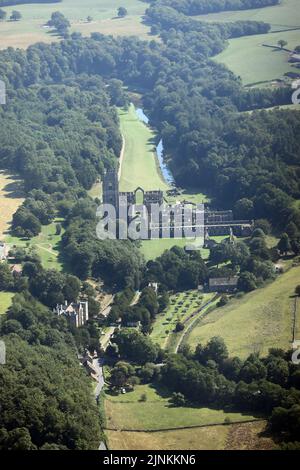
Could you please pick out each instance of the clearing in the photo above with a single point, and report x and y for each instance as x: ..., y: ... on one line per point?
x: 5, y: 301
x: 257, y: 322
x: 10, y: 199
x: 127, y: 412
x: 31, y: 28
x: 47, y: 245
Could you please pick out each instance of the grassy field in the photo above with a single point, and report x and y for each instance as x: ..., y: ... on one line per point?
x: 182, y: 306
x: 263, y: 64
x: 280, y: 17
x: 139, y: 166
x: 10, y: 200
x: 246, y: 436
x: 46, y: 244
x: 151, y: 249
x: 31, y: 28
x: 127, y: 412
x: 5, y: 301
x: 258, y: 321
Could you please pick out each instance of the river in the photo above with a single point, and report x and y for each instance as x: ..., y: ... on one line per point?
x: 165, y: 171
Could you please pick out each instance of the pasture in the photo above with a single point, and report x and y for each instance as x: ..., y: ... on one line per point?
x: 284, y: 16
x: 263, y: 64
x: 246, y: 436
x: 139, y: 165
x: 256, y: 322
x: 10, y: 199
x: 31, y: 28
x: 128, y: 412
x: 5, y: 301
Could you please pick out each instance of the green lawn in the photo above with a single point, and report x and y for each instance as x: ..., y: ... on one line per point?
x: 127, y: 412
x: 151, y: 249
x: 140, y: 165
x: 258, y: 321
x: 280, y: 17
x: 46, y: 245
x: 31, y: 28
x: 5, y: 301
x: 263, y: 64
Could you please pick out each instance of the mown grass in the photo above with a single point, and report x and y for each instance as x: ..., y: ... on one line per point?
x: 139, y: 166
x: 34, y: 16
x: 5, y: 301
x: 256, y: 322
x: 129, y: 413
x: 152, y: 249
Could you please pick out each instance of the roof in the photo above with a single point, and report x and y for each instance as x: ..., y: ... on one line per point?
x: 224, y: 281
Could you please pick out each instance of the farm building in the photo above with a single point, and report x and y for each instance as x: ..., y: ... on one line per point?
x: 223, y: 284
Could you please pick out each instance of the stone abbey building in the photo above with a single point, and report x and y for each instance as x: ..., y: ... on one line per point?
x: 212, y: 223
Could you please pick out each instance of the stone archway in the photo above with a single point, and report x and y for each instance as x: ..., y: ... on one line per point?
x: 139, y: 194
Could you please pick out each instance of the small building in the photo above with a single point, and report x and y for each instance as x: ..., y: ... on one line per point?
x: 294, y: 58
x: 223, y: 284
x: 154, y: 286
x: 3, y: 251
x: 77, y: 313
x: 16, y: 269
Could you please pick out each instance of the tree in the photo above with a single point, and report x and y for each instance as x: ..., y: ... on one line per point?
x: 89, y: 19
x: 179, y: 327
x: 284, y: 245
x: 178, y: 399
x: 15, y: 15
x: 247, y: 282
x: 122, y: 12
x: 297, y: 290
x: 3, y: 15
x: 282, y: 43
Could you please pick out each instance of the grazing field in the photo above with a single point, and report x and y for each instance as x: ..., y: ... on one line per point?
x: 246, y: 436
x: 182, y: 306
x: 46, y: 244
x: 5, y: 301
x: 10, y: 200
x: 140, y: 165
x: 284, y: 16
x: 258, y: 321
x: 127, y: 412
x: 32, y: 29
x: 263, y: 64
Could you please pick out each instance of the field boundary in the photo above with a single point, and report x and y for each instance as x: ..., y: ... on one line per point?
x: 195, y: 426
